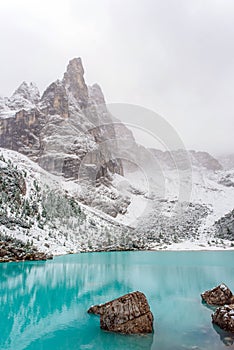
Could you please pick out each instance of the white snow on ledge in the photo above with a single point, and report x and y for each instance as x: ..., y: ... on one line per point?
x: 193, y: 246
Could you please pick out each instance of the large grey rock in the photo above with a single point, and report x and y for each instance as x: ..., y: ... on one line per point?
x: 220, y: 295
x: 129, y: 314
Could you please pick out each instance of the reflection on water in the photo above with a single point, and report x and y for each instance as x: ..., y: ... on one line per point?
x: 43, y: 304
x: 226, y: 337
x: 210, y: 307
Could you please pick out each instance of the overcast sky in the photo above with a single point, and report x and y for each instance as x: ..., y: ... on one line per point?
x: 175, y: 57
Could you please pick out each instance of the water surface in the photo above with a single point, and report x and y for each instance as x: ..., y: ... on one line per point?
x: 43, y: 304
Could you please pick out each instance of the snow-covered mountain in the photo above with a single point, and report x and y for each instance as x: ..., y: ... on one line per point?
x: 25, y: 97
x: 227, y: 161
x: 48, y: 211
x: 67, y: 184
x: 174, y: 224
x: 63, y: 126
x: 42, y: 208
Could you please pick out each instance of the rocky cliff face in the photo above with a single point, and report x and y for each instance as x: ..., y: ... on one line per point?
x: 74, y: 81
x: 68, y: 126
x: 183, y: 159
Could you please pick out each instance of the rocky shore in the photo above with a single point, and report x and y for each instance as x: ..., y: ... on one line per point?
x: 12, y: 249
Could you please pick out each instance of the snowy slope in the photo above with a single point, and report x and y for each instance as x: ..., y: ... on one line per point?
x: 65, y: 223
x: 169, y: 223
x: 61, y: 224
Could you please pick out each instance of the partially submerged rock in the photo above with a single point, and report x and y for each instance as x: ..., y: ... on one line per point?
x: 225, y: 336
x: 224, y: 317
x: 220, y: 295
x: 129, y: 314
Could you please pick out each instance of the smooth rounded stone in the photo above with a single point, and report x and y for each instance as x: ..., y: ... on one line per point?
x: 129, y: 314
x: 220, y: 295
x: 224, y: 317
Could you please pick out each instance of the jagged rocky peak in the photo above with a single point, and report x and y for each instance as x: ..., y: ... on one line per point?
x: 68, y: 125
x: 55, y: 100
x: 96, y: 94
x: 27, y: 91
x: 26, y: 97
x: 75, y: 83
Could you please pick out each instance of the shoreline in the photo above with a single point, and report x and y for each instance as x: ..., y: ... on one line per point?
x: 216, y: 249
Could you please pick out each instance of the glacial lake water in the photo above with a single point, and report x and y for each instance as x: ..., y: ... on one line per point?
x: 43, y: 305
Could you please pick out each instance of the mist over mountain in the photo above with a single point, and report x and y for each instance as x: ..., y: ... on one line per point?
x: 73, y: 177
x: 227, y: 161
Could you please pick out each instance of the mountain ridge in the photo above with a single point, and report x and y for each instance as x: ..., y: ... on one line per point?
x: 75, y: 152
x: 61, y: 127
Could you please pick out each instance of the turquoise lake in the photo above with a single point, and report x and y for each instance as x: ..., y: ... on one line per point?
x: 43, y: 305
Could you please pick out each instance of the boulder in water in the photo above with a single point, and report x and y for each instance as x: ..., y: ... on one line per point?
x: 224, y: 317
x: 129, y: 314
x: 220, y: 295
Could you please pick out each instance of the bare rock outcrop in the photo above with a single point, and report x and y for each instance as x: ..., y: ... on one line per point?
x: 69, y: 132
x: 74, y: 80
x: 224, y: 317
x: 63, y: 128
x: 55, y: 100
x: 220, y: 295
x: 12, y: 249
x: 129, y: 314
